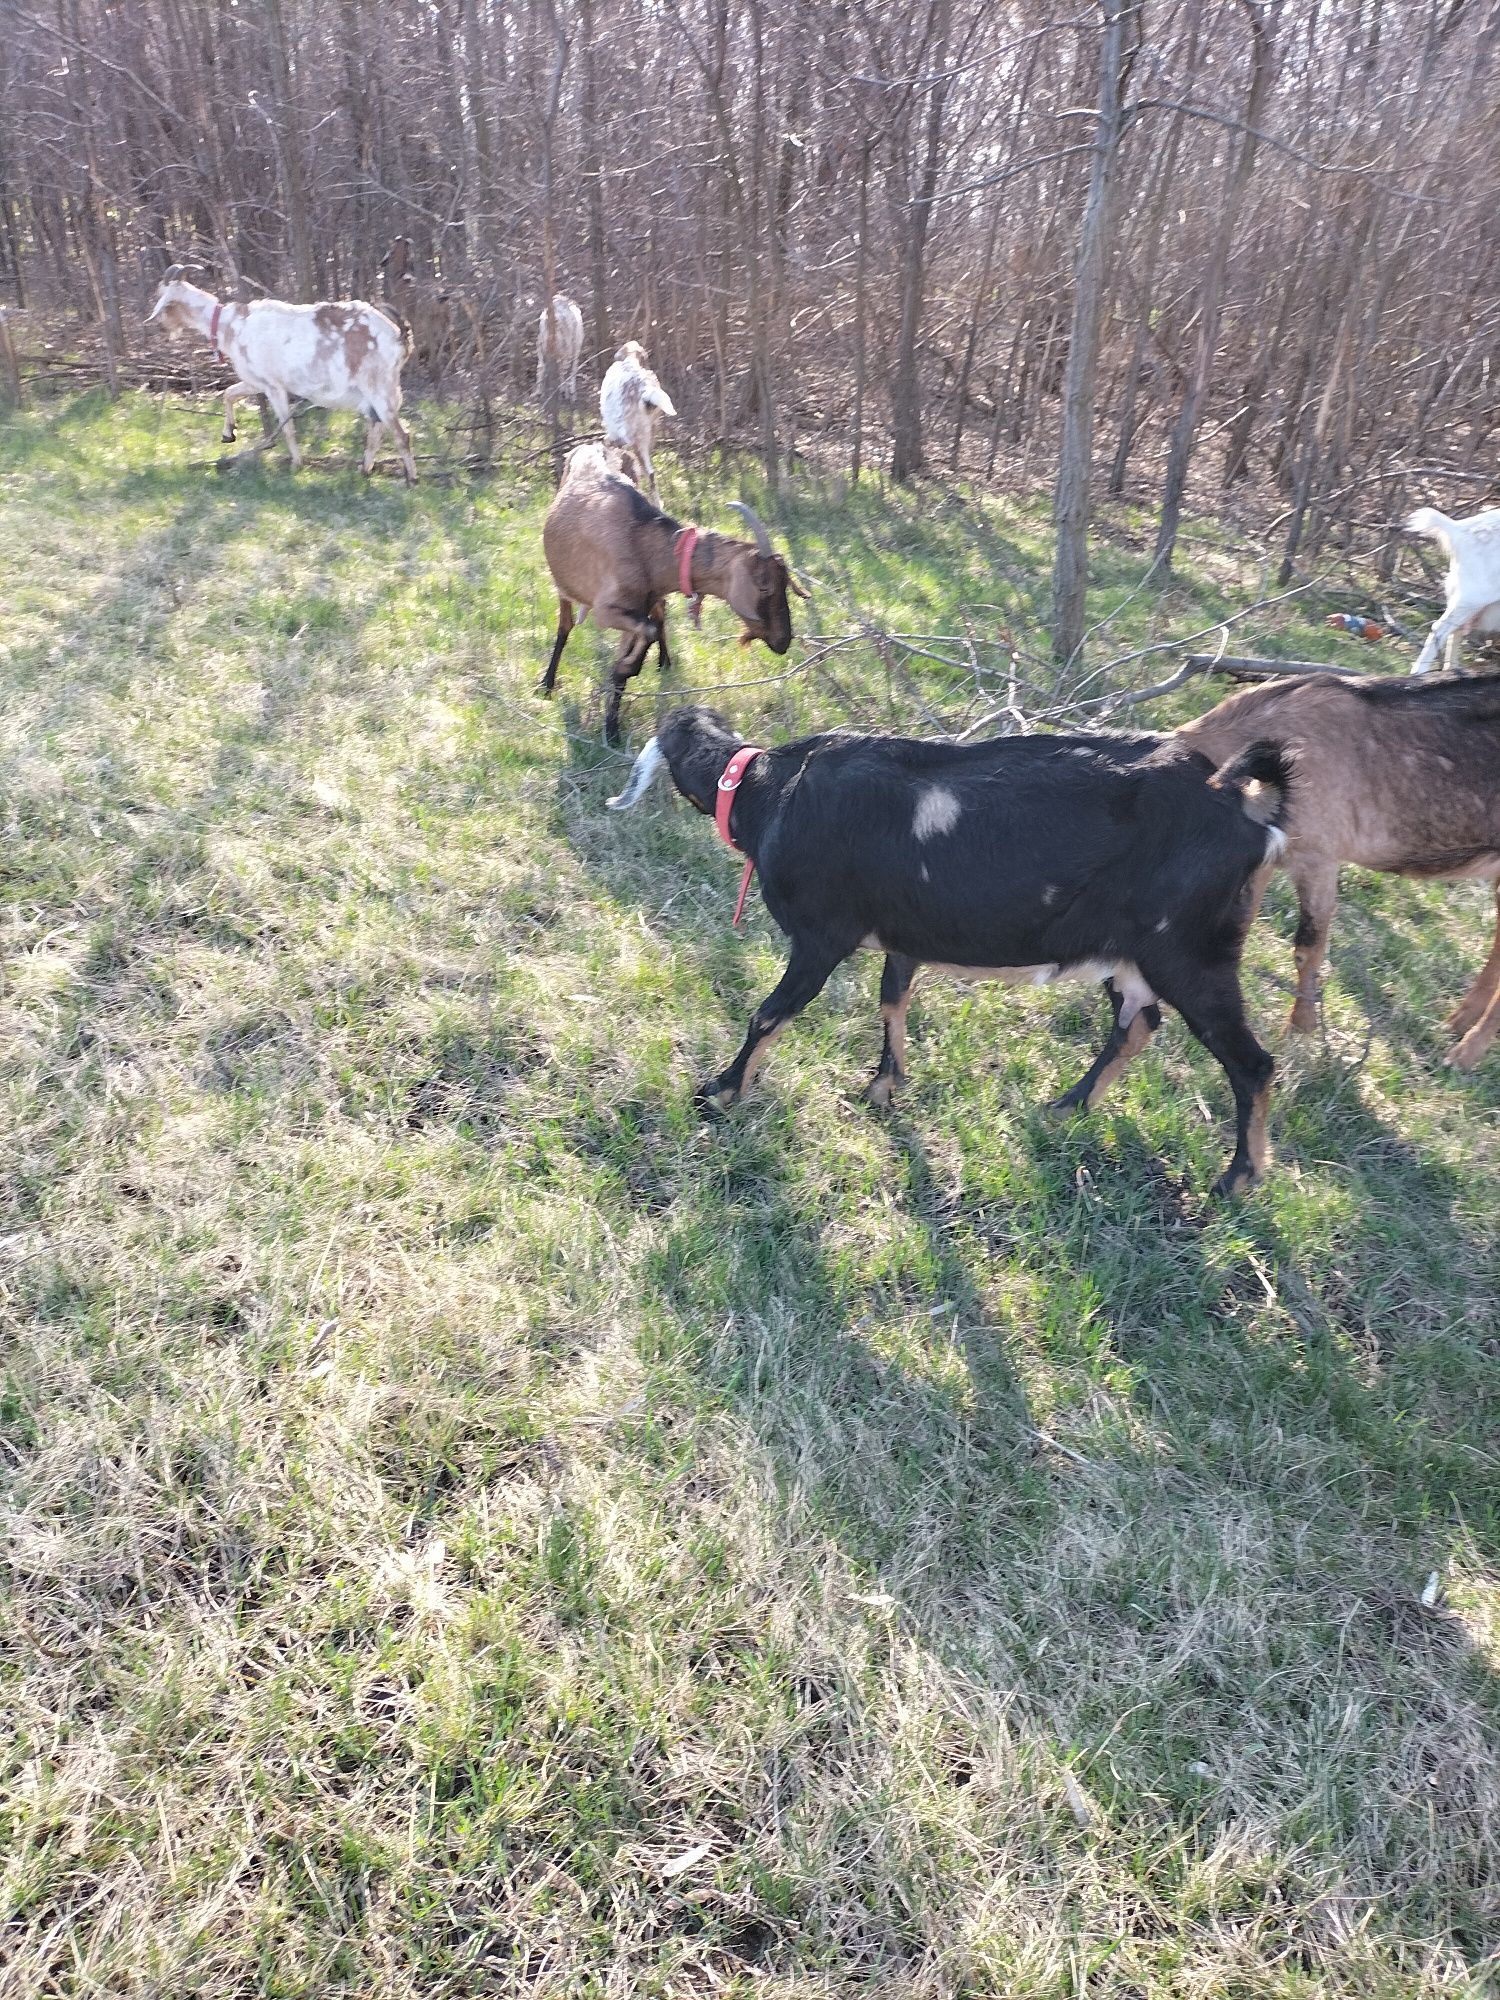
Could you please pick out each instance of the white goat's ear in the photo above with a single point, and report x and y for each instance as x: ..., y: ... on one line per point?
x: 645, y: 768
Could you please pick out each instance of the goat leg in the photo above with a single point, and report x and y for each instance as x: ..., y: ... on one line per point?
x: 641, y: 636
x: 1120, y: 1050
x: 1215, y: 1014
x: 403, y: 445
x: 1476, y: 1002
x: 1317, y: 899
x: 658, y: 614
x: 374, y: 432
x: 806, y: 975
x: 1450, y: 628
x: 1477, y: 1043
x: 895, y: 997
x: 564, y: 626
x: 232, y: 395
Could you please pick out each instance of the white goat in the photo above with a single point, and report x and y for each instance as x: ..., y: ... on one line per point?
x: 341, y: 355
x: 567, y: 348
x: 1472, y: 583
x: 630, y: 401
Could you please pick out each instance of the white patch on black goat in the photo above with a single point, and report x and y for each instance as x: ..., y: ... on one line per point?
x: 937, y: 812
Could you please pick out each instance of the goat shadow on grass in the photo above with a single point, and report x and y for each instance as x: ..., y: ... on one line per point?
x: 893, y: 1394
x: 1382, y: 928
x: 1308, y: 1377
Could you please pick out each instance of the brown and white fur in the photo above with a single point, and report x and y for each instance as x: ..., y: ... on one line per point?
x: 1401, y: 776
x: 342, y: 355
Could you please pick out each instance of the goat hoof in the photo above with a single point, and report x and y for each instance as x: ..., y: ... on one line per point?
x: 1304, y: 1018
x: 1061, y: 1109
x: 1463, y: 1057
x: 880, y: 1092
x: 1237, y: 1178
x: 545, y: 686
x: 714, y: 1098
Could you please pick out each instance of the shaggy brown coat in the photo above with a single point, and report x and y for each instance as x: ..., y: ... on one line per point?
x: 1399, y: 776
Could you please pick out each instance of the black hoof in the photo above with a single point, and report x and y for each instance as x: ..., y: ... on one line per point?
x: 1237, y: 1178
x: 714, y: 1098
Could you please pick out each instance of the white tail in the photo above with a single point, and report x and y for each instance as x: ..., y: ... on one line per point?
x: 644, y: 769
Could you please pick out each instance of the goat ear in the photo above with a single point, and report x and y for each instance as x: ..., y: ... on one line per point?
x: 793, y: 585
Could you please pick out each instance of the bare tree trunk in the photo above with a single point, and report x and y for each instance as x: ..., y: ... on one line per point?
x: 906, y: 388
x: 287, y: 131
x: 593, y: 174
x: 1155, y: 241
x: 1071, y: 504
x: 1211, y: 292
x: 861, y: 266
x: 549, y: 229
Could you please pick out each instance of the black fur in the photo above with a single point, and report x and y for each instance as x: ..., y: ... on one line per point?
x: 1062, y: 850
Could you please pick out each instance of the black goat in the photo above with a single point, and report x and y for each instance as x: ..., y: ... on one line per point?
x: 1026, y: 858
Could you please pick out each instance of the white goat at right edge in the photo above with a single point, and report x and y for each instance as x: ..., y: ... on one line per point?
x: 1472, y: 583
x: 630, y: 401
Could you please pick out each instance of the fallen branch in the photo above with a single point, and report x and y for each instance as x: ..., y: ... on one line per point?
x: 1247, y: 667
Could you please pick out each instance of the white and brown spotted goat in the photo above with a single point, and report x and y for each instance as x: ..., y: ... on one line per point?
x: 342, y: 355
x: 612, y: 552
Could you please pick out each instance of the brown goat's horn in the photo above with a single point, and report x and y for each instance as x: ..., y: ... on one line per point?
x: 756, y: 526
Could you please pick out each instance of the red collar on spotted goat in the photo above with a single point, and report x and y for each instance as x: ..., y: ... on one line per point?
x: 687, y: 541
x: 729, y: 784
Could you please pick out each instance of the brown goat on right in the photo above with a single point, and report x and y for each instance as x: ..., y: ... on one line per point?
x: 1402, y: 776
x: 612, y: 552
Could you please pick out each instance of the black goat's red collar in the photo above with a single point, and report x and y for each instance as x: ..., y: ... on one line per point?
x: 729, y: 784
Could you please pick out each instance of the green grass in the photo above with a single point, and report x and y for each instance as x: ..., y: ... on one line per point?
x: 472, y: 1528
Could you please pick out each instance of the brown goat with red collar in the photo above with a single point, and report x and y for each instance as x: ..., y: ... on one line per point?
x: 612, y: 552
x: 1032, y: 858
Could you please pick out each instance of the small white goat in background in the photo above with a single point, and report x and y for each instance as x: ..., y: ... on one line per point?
x: 567, y: 350
x: 630, y: 401
x: 1472, y: 583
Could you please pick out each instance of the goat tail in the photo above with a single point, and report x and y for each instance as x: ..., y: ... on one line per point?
x: 1262, y: 775
x: 1428, y: 521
